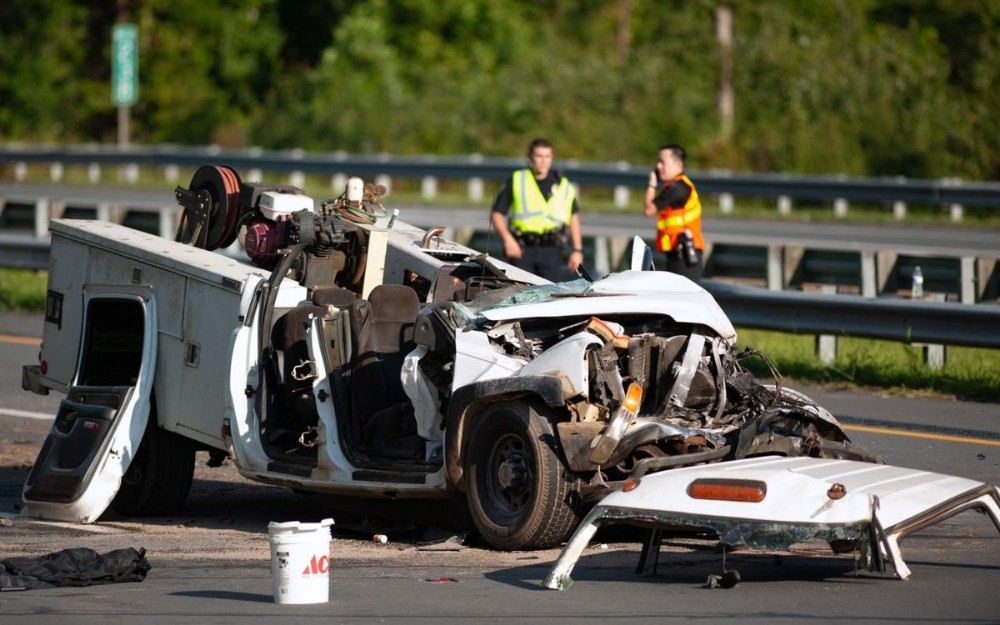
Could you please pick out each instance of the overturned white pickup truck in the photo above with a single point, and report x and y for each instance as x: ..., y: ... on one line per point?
x: 360, y: 355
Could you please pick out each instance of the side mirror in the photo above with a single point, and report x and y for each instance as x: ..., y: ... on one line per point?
x: 641, y: 256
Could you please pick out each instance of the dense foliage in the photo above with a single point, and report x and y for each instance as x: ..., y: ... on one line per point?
x: 878, y: 87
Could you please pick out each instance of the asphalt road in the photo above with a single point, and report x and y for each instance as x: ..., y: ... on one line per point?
x: 211, y: 563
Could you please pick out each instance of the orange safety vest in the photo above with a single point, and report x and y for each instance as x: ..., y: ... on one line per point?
x: 671, y: 222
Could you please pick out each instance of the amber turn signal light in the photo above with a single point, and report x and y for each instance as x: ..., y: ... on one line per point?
x: 633, y: 398
x: 750, y: 491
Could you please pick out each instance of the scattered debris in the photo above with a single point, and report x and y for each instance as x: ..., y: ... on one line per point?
x: 441, y: 580
x: 5, y: 522
x: 380, y: 539
x: 454, y: 542
x: 726, y: 580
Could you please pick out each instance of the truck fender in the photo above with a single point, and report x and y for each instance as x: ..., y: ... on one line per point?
x: 464, y: 402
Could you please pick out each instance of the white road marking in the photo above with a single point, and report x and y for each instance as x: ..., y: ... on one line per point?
x: 24, y: 414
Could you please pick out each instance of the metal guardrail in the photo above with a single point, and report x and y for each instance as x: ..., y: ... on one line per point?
x: 786, y: 311
x: 851, y: 315
x: 961, y: 265
x: 621, y: 176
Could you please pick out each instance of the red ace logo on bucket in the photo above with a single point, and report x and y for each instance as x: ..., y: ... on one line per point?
x: 321, y: 565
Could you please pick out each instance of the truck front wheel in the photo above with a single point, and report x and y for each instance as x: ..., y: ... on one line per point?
x: 520, y: 494
x: 159, y: 478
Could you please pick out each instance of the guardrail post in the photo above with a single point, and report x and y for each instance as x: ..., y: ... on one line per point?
x: 168, y: 223
x: 94, y: 173
x: 826, y: 344
x: 428, y: 187
x: 338, y: 182
x: 56, y: 171
x: 899, y: 210
x: 297, y: 179
x: 621, y: 196
x: 602, y: 262
x: 20, y: 171
x: 967, y: 279
x: 726, y: 203
x: 132, y: 173
x: 385, y: 181
x: 956, y: 210
x: 254, y: 175
x: 103, y: 211
x: 784, y: 205
x: 935, y: 355
x: 775, y: 274
x: 171, y: 172
x: 869, y: 280
x: 42, y: 206
x: 476, y: 189
x: 840, y: 208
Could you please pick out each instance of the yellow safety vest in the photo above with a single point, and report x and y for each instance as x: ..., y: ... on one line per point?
x: 531, y: 213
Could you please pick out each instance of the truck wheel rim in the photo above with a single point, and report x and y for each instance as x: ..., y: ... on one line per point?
x: 509, y: 484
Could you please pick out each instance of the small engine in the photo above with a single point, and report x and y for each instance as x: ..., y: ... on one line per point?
x: 268, y: 231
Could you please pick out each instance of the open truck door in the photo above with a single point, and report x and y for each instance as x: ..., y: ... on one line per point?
x: 100, y: 424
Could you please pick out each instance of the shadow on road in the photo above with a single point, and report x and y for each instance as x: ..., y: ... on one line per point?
x: 693, y: 567
x: 225, y: 594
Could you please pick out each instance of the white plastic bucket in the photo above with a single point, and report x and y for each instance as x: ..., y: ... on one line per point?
x: 300, y: 561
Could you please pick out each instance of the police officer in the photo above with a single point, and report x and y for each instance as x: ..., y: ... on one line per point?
x: 532, y: 214
x: 671, y: 196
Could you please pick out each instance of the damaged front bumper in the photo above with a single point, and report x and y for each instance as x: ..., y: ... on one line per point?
x: 871, y: 507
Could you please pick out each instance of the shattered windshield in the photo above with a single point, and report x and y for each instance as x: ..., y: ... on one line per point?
x: 471, y: 313
x: 517, y: 296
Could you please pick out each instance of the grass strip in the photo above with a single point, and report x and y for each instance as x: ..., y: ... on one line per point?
x: 22, y: 289
x: 970, y: 373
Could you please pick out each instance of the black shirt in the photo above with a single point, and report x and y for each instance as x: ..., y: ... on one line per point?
x: 506, y: 196
x: 674, y: 195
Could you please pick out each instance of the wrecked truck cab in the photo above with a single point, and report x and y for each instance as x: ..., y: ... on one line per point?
x: 357, y: 354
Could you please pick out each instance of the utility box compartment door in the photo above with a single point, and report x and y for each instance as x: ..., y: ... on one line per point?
x: 100, y: 424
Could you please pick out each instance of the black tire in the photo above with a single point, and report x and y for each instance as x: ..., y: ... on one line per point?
x: 520, y: 494
x: 159, y: 478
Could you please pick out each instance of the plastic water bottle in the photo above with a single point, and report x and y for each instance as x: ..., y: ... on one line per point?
x: 917, y: 288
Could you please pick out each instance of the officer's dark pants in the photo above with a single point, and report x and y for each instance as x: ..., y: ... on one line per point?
x: 545, y: 261
x: 677, y: 264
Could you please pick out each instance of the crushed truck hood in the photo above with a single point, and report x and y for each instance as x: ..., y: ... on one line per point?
x: 875, y: 505
x: 628, y: 292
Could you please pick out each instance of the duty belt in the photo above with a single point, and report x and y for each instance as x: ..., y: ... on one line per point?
x: 552, y: 238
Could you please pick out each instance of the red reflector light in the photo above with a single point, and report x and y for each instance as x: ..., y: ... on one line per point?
x: 44, y: 367
x: 92, y: 425
x: 630, y: 484
x: 750, y: 491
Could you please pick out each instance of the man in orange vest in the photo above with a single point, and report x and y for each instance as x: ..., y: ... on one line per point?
x: 672, y: 198
x: 535, y: 213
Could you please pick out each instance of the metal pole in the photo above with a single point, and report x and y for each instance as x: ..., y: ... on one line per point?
x: 123, y: 120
